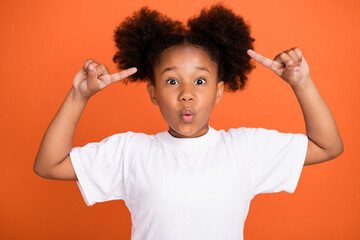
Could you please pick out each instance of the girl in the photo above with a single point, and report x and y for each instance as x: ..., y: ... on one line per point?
x: 192, y: 181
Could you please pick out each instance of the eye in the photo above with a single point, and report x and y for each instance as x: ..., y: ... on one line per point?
x: 200, y: 81
x: 171, y: 81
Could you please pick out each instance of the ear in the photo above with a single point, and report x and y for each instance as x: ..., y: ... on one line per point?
x: 152, y: 93
x: 219, y: 91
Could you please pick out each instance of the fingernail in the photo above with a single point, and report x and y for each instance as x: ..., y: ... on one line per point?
x: 91, y: 67
x: 133, y: 70
x: 290, y: 63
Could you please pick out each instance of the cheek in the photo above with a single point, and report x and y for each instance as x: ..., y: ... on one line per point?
x: 209, y: 98
x: 208, y: 108
x: 167, y: 104
x: 208, y: 104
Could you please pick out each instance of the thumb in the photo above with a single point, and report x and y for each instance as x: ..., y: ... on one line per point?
x: 92, y: 78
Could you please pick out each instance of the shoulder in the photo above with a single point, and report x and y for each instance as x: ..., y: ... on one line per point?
x: 131, y: 138
x: 257, y: 135
x: 117, y: 140
x: 254, y: 132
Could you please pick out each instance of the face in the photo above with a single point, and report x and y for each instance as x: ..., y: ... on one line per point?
x: 186, y: 89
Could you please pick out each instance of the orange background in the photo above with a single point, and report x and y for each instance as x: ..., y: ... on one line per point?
x: 44, y: 43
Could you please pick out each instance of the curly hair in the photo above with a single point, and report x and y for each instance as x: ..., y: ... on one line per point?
x: 142, y: 37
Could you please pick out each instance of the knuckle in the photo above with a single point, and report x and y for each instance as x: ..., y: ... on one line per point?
x: 88, y: 61
x: 107, y: 80
x: 102, y: 68
x: 292, y: 54
x: 289, y: 51
x: 277, y: 56
x: 283, y: 55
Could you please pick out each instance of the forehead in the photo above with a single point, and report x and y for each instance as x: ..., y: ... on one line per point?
x: 185, y: 57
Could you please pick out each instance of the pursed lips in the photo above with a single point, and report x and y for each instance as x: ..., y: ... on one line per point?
x: 187, y: 115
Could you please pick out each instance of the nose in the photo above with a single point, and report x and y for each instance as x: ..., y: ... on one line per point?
x: 186, y: 94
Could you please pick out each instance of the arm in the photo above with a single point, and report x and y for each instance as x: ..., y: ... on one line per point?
x: 324, y: 138
x: 53, y: 159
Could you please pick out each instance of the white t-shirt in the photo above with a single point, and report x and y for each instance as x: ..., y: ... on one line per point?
x: 189, y: 188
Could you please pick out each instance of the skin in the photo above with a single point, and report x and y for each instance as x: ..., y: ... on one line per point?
x: 186, y: 83
x: 324, y: 138
x: 53, y: 159
x: 182, y: 84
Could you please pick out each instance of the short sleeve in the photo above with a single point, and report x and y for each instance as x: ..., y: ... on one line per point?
x: 278, y: 160
x: 100, y: 169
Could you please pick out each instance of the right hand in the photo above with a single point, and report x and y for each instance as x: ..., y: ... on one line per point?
x: 93, y: 77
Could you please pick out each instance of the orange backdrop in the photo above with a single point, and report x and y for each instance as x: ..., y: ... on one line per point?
x: 44, y: 43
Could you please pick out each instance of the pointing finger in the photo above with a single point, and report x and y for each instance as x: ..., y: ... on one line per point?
x: 261, y: 59
x: 123, y: 74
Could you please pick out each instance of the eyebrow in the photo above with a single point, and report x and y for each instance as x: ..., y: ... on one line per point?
x: 197, y: 68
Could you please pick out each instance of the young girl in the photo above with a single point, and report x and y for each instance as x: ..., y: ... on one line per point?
x: 192, y: 181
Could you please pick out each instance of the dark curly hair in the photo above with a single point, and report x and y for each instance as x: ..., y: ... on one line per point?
x: 142, y: 38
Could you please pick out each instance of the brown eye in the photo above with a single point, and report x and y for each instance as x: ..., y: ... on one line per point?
x: 200, y: 81
x: 172, y: 82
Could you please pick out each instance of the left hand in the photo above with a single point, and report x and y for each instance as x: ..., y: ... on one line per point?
x: 290, y: 65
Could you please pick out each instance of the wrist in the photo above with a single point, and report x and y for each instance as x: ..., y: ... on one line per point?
x: 305, y: 83
x: 76, y: 96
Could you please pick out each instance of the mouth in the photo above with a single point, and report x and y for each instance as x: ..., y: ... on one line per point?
x: 187, y: 115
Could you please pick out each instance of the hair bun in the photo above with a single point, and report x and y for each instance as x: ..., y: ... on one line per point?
x: 138, y: 38
x: 220, y: 28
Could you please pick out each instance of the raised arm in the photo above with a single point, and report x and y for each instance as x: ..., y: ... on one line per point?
x: 53, y: 160
x: 324, y: 139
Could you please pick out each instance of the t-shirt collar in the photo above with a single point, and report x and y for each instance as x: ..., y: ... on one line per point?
x: 188, y: 144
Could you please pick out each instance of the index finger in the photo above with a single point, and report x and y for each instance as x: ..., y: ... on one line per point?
x: 261, y: 59
x: 123, y: 74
